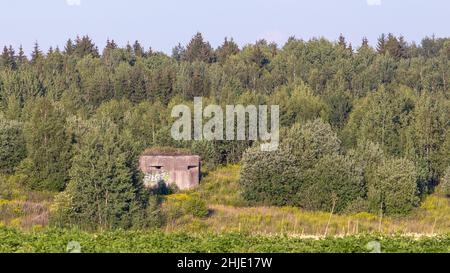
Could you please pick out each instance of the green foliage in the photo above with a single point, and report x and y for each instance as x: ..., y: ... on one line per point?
x: 333, y: 184
x: 56, y: 240
x: 183, y: 204
x: 276, y: 178
x: 197, y: 207
x: 104, y: 189
x: 269, y: 178
x: 393, y: 187
x: 12, y: 145
x: 310, y: 142
x: 382, y: 104
x: 48, y: 147
x: 445, y: 182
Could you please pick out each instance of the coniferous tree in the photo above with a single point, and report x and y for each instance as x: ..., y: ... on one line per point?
x: 36, y: 55
x: 178, y: 52
x: 198, y: 50
x: 8, y: 58
x: 138, y: 50
x: 381, y: 45
x: 84, y: 46
x: 227, y: 49
x: 342, y: 42
x: 69, y: 48
x: 104, y: 186
x: 365, y: 42
x: 21, y: 57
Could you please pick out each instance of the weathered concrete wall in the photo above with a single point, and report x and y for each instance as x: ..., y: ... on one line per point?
x: 183, y: 170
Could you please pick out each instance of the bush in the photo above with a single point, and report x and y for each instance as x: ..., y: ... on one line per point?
x: 269, y: 178
x: 333, y: 184
x: 393, y: 187
x: 197, y: 207
x: 275, y: 178
x: 310, y: 142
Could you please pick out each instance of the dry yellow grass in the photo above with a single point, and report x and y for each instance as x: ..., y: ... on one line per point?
x: 229, y: 213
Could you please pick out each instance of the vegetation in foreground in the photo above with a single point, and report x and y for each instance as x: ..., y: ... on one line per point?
x: 56, y: 241
x: 218, y: 206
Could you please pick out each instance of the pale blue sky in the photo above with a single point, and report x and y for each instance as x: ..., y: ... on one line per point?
x: 161, y: 24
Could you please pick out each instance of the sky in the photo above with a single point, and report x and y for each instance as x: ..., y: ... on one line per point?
x: 162, y: 24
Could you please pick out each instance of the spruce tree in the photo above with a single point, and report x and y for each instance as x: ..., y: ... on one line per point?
x: 36, y: 55
x: 227, y: 49
x: 198, y: 50
x: 69, y: 48
x: 342, y: 42
x: 21, y: 57
x: 103, y: 183
x: 138, y: 50
x: 381, y: 45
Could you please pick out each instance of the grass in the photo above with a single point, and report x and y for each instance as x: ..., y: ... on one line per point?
x: 22, y: 208
x: 229, y: 212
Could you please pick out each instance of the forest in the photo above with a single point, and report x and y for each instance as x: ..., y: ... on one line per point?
x: 363, y: 129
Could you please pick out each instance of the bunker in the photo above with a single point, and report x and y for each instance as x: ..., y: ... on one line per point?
x: 172, y: 169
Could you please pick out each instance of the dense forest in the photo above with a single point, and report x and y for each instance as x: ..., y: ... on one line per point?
x: 362, y: 128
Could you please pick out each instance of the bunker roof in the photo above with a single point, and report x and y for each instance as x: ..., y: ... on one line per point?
x: 166, y: 151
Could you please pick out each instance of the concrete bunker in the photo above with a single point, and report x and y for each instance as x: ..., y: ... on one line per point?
x: 171, y: 167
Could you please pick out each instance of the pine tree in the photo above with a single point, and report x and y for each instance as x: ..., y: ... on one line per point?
x: 227, y: 49
x: 69, y: 48
x: 198, y: 50
x: 365, y: 42
x: 36, y: 55
x: 8, y: 58
x: 381, y: 45
x: 111, y: 44
x: 178, y: 52
x: 5, y: 57
x: 103, y: 182
x: 342, y: 42
x: 138, y: 50
x: 84, y: 46
x: 21, y: 57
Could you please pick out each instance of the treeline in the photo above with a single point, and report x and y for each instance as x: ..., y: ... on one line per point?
x: 76, y: 119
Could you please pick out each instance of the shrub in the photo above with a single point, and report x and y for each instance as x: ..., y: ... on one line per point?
x: 310, y: 142
x: 333, y: 184
x: 269, y: 177
x: 275, y: 178
x: 197, y: 207
x: 181, y: 204
x: 393, y: 187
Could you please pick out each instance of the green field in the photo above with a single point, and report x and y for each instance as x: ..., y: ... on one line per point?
x: 56, y: 241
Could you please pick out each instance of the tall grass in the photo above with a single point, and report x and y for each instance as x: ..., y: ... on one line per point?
x: 229, y: 212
